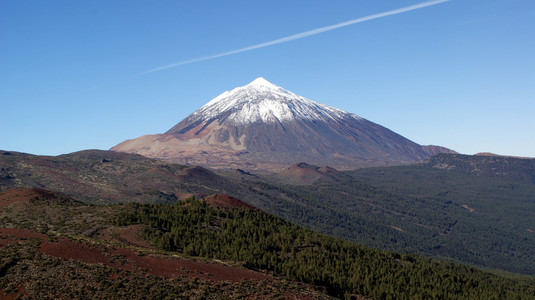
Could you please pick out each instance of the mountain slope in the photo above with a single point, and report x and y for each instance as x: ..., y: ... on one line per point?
x: 53, y: 247
x: 263, y: 126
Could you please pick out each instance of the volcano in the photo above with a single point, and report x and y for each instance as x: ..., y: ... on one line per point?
x: 262, y: 126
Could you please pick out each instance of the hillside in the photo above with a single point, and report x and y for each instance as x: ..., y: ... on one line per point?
x: 54, y: 247
x: 102, y: 177
x: 195, y: 249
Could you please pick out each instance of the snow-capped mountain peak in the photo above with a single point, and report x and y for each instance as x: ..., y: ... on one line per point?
x: 261, y: 82
x: 263, y: 101
x: 265, y: 127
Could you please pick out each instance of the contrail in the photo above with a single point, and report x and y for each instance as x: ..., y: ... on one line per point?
x: 299, y: 35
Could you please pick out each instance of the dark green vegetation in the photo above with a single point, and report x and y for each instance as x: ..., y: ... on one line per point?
x: 471, y: 209
x: 267, y: 242
x: 481, y: 210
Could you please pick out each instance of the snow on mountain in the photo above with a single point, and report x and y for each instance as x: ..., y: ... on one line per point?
x: 263, y: 101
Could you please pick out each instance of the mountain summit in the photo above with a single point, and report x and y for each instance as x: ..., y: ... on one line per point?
x: 260, y: 102
x: 264, y: 126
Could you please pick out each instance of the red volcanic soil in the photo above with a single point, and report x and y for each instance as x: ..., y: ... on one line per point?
x: 129, y: 235
x: 16, y: 195
x: 26, y: 195
x: 71, y: 250
x: 169, y: 267
x: 224, y: 201
x: 21, y: 233
x: 21, y: 291
x: 10, y: 235
x: 159, y: 265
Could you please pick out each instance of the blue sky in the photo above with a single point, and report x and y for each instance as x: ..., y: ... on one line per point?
x: 460, y: 74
